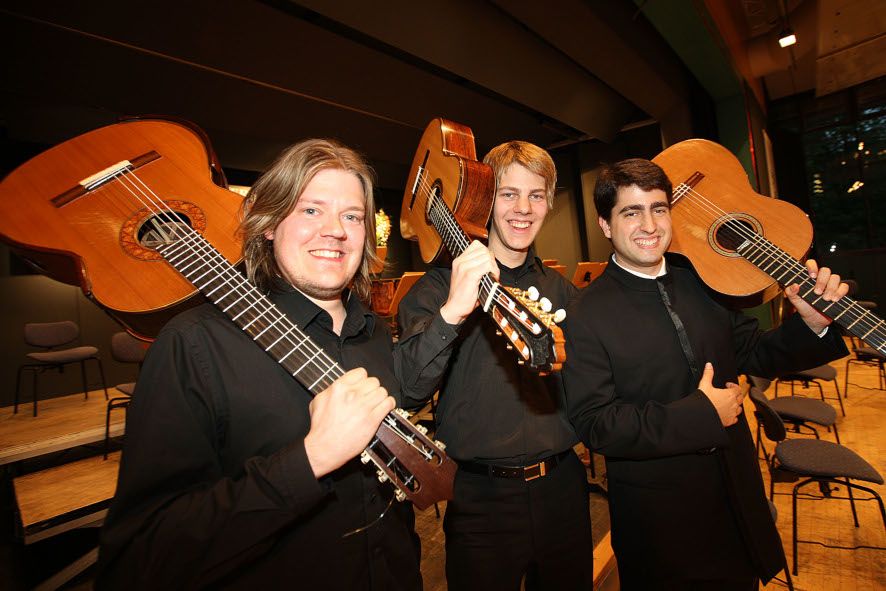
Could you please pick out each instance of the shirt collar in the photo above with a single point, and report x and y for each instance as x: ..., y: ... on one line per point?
x: 302, y: 311
x: 661, y: 271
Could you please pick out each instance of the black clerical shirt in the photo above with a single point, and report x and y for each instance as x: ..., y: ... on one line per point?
x: 490, y: 408
x: 215, y: 488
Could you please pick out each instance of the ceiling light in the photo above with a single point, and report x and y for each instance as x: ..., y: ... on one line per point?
x: 787, y: 37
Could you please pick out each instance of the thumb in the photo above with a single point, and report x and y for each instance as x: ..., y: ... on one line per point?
x: 707, y: 376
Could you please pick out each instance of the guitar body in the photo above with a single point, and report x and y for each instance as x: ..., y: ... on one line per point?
x: 90, y: 237
x: 447, y: 152
x: 719, y: 186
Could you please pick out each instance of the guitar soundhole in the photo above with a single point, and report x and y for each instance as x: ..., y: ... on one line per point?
x: 145, y: 230
x: 159, y: 229
x: 730, y: 231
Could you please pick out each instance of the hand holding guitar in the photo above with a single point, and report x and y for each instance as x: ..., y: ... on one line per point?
x: 344, y: 417
x: 827, y: 286
x: 468, y: 269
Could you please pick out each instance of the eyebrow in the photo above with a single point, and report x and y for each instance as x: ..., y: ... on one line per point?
x: 310, y: 201
x: 516, y: 190
x: 640, y: 207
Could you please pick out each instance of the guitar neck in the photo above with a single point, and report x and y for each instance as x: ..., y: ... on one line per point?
x: 787, y: 270
x: 456, y: 241
x: 201, y: 264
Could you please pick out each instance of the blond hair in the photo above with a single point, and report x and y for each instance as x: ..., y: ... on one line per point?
x: 275, y: 194
x: 532, y: 157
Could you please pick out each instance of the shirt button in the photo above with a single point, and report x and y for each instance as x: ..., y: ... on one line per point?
x: 443, y: 337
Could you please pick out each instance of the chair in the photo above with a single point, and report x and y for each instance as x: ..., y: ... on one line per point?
x: 586, y: 272
x: 405, y: 284
x: 813, y: 460
x: 48, y: 336
x: 812, y: 376
x: 125, y: 348
x: 800, y: 413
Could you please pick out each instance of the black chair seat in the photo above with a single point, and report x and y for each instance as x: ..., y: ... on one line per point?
x: 824, y: 372
x: 127, y: 388
x: 796, y: 408
x: 868, y: 354
x: 815, y: 457
x: 64, y: 356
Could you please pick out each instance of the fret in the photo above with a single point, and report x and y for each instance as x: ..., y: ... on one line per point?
x: 849, y: 314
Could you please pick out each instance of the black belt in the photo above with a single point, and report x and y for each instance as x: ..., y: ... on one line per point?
x: 527, y: 473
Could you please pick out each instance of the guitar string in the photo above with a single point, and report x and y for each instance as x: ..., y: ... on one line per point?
x: 866, y: 322
x: 861, y: 317
x: 140, y: 190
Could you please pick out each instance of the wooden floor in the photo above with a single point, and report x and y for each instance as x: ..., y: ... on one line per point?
x: 829, y: 521
x: 61, y: 423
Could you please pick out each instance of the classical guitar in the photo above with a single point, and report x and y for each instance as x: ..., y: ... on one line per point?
x: 448, y: 200
x: 64, y: 212
x: 745, y: 245
x: 154, y: 219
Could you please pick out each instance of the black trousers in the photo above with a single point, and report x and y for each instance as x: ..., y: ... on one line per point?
x: 498, y: 529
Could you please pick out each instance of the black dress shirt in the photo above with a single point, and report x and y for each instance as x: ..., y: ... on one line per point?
x: 215, y: 488
x: 490, y: 409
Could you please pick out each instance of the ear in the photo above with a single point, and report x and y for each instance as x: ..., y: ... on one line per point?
x: 604, y: 225
x: 269, y: 234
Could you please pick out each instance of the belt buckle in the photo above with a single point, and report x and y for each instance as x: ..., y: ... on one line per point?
x: 540, y: 467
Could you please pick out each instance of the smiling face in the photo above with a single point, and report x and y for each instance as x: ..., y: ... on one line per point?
x: 319, y: 245
x: 518, y: 213
x: 640, y: 228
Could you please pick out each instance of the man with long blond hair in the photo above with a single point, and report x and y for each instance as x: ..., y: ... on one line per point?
x: 521, y: 499
x: 232, y: 476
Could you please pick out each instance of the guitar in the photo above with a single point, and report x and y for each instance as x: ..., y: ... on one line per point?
x: 743, y: 244
x: 448, y: 199
x: 122, y: 198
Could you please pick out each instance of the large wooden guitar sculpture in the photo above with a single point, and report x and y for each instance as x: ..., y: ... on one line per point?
x: 742, y: 243
x: 109, y: 207
x: 448, y: 200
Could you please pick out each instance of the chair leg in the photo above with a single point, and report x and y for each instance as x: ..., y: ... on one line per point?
x: 787, y: 576
x: 852, y: 502
x: 839, y: 398
x: 18, y: 381
x: 101, y: 372
x: 836, y: 433
x: 846, y: 380
x: 794, y: 525
x: 83, y: 376
x: 34, y: 393
x: 107, y: 429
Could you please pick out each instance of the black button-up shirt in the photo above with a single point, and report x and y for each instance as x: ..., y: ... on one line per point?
x: 490, y: 408
x: 215, y: 488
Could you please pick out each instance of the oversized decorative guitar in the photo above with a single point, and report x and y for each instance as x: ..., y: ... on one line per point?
x: 449, y: 197
x: 94, y: 192
x: 742, y: 243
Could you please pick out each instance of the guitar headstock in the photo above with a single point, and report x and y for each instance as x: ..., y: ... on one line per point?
x: 413, y: 463
x: 526, y: 320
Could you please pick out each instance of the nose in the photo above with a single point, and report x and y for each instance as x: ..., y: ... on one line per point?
x: 521, y: 205
x: 647, y: 223
x: 333, y: 227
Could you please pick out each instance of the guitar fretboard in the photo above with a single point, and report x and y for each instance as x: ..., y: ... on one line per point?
x: 456, y: 240
x: 786, y: 270
x: 201, y: 264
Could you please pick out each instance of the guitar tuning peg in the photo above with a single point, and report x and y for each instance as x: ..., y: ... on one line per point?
x: 498, y: 333
x: 421, y: 429
x: 440, y: 445
x: 364, y: 457
x: 521, y: 362
x: 546, y: 304
x: 382, y: 477
x: 401, y: 496
x: 509, y: 347
x: 559, y: 315
x: 532, y: 292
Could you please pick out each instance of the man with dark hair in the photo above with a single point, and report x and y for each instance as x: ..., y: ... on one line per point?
x: 232, y: 476
x: 521, y: 499
x: 652, y: 365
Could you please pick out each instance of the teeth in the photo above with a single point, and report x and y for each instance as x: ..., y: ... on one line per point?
x: 327, y: 254
x: 652, y: 242
x: 520, y: 225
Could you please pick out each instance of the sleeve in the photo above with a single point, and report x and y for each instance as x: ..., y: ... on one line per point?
x: 615, y: 428
x: 790, y: 347
x: 426, y: 342
x: 179, y: 519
